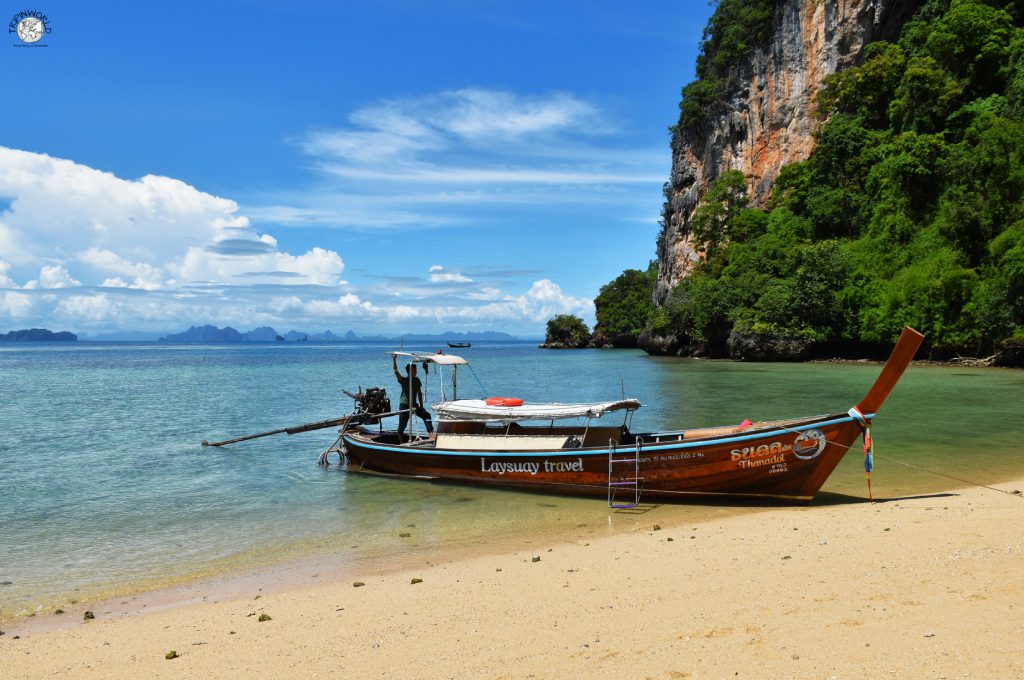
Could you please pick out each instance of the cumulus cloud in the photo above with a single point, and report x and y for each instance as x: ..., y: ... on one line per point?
x: 144, y: 276
x: 105, y: 230
x: 53, y: 276
x: 16, y: 305
x: 100, y: 252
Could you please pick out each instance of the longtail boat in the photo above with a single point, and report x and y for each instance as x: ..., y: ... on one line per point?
x: 504, y: 442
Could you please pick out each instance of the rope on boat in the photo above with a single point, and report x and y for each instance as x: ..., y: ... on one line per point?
x: 958, y: 479
x: 910, y: 465
x: 338, y: 445
x: 483, y: 390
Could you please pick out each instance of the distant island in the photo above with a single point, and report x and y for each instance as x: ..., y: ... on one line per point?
x: 212, y: 334
x: 38, y: 335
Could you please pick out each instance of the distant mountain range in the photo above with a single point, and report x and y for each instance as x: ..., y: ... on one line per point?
x: 212, y: 334
x: 38, y: 335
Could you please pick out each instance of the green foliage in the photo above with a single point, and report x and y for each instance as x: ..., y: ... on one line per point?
x: 972, y: 42
x: 865, y: 91
x: 567, y: 329
x: 925, y: 96
x: 720, y: 205
x: 735, y: 28
x: 909, y: 211
x: 624, y: 305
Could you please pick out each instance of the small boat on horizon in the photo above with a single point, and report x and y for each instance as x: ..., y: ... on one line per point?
x: 459, y: 345
x: 504, y: 442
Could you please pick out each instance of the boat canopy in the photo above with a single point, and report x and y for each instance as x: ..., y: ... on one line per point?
x: 427, y: 358
x: 478, y: 409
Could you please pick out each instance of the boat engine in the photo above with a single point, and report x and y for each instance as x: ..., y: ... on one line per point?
x: 372, y: 402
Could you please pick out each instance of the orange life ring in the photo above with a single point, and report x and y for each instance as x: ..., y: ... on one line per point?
x: 504, y: 401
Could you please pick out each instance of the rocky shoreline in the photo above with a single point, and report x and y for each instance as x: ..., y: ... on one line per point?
x: 771, y: 347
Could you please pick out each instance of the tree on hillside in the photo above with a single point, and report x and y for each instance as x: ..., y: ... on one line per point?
x: 567, y: 330
x: 624, y: 304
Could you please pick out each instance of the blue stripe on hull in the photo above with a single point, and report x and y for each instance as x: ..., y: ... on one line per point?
x: 575, y: 453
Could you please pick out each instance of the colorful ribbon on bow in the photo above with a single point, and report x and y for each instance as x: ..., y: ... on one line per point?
x: 869, y: 445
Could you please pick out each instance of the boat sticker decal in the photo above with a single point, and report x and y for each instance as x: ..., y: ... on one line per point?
x: 809, y: 444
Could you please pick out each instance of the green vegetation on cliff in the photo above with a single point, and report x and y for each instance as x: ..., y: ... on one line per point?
x: 909, y: 211
x: 734, y: 28
x: 624, y: 305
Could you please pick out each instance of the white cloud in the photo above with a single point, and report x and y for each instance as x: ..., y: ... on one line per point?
x: 158, y: 254
x: 146, y: 277
x: 68, y: 206
x: 87, y: 308
x: 485, y: 293
x: 449, y: 277
x: 16, y: 305
x: 5, y: 280
x: 546, y: 299
x: 543, y: 300
x: 439, y: 275
x: 53, y: 276
x: 402, y: 129
x: 317, y: 266
x: 477, y: 113
x: 510, y: 137
x: 136, y: 230
x: 345, y: 306
x: 428, y: 161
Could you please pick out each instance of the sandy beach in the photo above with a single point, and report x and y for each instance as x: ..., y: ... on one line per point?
x: 920, y: 587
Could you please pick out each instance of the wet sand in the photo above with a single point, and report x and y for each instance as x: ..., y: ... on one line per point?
x: 927, y: 586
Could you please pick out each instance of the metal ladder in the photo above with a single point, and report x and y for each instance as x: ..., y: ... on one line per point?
x: 624, y: 482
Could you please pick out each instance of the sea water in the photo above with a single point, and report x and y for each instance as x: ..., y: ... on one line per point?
x: 105, y: 488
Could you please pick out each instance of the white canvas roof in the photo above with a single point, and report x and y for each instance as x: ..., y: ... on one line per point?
x: 477, y: 409
x: 440, y: 359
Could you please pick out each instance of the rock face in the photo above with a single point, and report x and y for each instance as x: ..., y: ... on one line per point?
x: 205, y: 334
x: 1011, y: 354
x: 768, y: 118
x: 601, y: 340
x: 766, y: 347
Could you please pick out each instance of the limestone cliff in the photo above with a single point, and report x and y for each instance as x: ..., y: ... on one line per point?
x: 767, y: 117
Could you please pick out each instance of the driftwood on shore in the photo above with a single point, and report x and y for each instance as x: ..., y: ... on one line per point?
x: 974, y: 361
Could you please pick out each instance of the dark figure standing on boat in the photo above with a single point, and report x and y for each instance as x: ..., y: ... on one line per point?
x: 412, y: 393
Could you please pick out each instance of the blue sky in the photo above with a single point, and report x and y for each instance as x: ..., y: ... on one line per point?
x: 380, y: 166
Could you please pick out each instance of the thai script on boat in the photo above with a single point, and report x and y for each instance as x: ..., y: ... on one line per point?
x: 748, y: 452
x: 531, y: 467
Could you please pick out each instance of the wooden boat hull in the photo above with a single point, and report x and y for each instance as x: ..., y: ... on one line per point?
x: 782, y: 460
x: 784, y: 463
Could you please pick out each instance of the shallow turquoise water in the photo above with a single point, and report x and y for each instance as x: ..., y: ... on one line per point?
x: 105, y: 485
